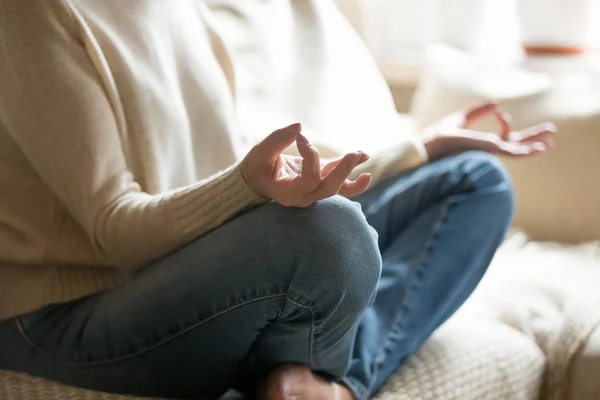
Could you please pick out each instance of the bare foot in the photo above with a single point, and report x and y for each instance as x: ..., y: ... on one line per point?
x: 297, y: 382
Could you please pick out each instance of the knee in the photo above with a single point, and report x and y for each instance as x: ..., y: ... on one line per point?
x: 339, y: 252
x: 342, y: 240
x: 487, y: 174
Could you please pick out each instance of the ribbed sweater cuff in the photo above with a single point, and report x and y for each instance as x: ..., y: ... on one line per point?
x: 208, y: 204
x: 419, y: 146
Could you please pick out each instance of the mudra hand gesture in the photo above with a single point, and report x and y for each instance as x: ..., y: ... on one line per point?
x: 299, y: 181
x: 453, y: 135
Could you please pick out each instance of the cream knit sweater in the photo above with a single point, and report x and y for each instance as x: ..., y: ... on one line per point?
x: 122, y: 121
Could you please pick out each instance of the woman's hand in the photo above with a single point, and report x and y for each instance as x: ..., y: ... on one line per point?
x: 299, y: 181
x: 452, y: 135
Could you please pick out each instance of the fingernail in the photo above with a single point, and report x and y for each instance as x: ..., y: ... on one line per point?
x: 548, y: 126
x: 539, y: 146
x: 302, y: 138
x: 363, y: 156
x: 295, y: 127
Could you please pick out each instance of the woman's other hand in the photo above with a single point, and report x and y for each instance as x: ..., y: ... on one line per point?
x: 299, y: 181
x: 452, y: 135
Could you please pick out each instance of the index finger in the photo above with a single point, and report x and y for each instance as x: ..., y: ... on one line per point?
x: 311, y: 163
x: 504, y: 120
x: 334, y: 180
x: 478, y: 112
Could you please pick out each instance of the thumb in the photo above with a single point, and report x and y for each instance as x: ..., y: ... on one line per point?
x: 272, y: 146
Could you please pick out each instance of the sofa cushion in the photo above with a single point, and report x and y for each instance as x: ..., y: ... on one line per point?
x: 467, y: 359
x: 470, y: 359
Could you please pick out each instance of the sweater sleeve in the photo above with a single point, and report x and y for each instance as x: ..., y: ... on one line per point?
x: 407, y: 153
x: 394, y: 161
x: 54, y: 106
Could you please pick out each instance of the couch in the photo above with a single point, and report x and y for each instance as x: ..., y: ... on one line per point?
x: 530, y: 331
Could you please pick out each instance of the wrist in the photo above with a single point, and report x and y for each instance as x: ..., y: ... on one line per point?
x: 250, y: 184
x: 431, y: 146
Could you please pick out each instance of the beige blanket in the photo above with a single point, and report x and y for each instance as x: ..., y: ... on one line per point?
x: 547, y: 292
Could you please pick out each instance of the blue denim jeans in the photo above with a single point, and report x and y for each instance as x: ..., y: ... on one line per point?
x: 349, y: 288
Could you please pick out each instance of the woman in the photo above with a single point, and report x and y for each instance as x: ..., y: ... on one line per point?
x: 139, y: 256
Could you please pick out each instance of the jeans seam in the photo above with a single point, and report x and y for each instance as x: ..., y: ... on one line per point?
x: 359, y: 390
x: 333, y: 312
x: 430, y: 244
x: 166, y: 340
x: 312, y: 330
x: 26, y: 337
